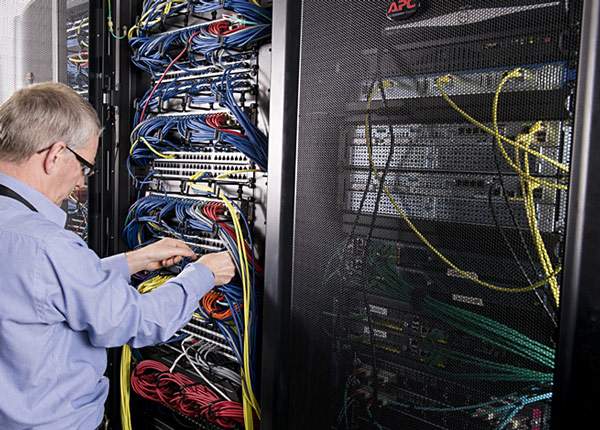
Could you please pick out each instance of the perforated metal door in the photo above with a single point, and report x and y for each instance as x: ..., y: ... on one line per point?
x: 432, y: 179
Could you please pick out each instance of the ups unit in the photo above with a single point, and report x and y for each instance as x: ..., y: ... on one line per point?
x: 432, y: 213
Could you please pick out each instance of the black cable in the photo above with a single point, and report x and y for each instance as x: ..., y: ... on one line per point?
x: 504, y: 237
x: 367, y: 186
x: 519, y: 231
x: 367, y: 268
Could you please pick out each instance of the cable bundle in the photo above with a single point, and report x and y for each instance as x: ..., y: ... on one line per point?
x: 389, y: 282
x: 249, y: 11
x: 77, y: 55
x: 154, y: 216
x: 193, y: 132
x: 156, y: 12
x: 153, y: 381
x: 198, y: 44
x: 502, y: 410
x: 520, y: 163
x: 193, y: 90
x: 203, y: 66
x: 258, y: 139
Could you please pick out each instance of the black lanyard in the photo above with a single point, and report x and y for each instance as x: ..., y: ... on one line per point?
x: 7, y: 192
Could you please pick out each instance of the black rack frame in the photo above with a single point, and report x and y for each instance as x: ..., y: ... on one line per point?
x: 578, y: 354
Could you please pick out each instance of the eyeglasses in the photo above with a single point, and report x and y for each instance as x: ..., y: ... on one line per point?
x: 87, y: 168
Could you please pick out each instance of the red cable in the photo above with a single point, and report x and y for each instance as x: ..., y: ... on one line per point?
x: 219, y: 121
x: 214, y: 211
x: 153, y: 381
x: 185, y: 48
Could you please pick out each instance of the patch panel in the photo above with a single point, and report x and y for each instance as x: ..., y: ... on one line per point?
x: 218, y: 167
x: 190, y: 91
x: 206, y: 334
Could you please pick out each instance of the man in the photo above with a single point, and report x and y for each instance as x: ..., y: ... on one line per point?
x: 60, y: 305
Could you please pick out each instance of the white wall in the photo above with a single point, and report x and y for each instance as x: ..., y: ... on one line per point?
x: 25, y: 43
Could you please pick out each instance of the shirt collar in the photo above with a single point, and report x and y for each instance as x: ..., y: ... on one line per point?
x: 45, y: 207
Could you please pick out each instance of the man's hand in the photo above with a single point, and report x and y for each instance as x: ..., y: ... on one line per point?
x: 221, y: 264
x: 164, y: 253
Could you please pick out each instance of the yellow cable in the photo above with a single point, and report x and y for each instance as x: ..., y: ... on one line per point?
x: 81, y: 22
x: 444, y: 80
x: 125, y: 368
x: 143, y: 21
x: 461, y: 272
x: 246, y: 392
x: 249, y: 400
x: 534, y: 129
x: 528, y: 184
x: 197, y: 175
x: 134, y: 28
x: 73, y: 59
x: 125, y: 375
x: 529, y: 203
x: 150, y: 147
x: 233, y: 172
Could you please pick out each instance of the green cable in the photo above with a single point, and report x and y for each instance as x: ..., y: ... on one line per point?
x: 481, y: 321
x: 110, y: 24
x: 509, y: 332
x: 544, y: 357
x: 471, y: 322
x: 531, y: 356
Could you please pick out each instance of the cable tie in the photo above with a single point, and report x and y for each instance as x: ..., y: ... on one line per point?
x: 184, y: 186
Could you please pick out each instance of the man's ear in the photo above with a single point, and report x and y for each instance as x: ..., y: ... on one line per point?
x: 53, y: 157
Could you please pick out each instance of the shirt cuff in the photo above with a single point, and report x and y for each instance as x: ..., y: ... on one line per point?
x: 117, y: 263
x: 196, y: 278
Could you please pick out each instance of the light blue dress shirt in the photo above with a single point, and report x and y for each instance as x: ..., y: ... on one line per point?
x: 61, y: 306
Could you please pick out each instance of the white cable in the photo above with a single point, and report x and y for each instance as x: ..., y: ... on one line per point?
x: 214, y: 387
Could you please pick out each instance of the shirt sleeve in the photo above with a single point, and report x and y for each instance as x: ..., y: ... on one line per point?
x: 80, y: 292
x: 117, y: 263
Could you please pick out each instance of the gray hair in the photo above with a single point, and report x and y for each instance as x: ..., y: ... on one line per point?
x: 40, y: 115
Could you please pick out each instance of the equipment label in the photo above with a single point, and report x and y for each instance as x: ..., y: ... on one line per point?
x: 378, y: 310
x: 469, y: 300
x: 402, y: 9
x: 376, y: 332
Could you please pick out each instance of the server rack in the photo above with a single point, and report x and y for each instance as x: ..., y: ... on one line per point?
x: 351, y: 75
x: 73, y: 51
x: 121, y: 92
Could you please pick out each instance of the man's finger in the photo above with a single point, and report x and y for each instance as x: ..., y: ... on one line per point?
x: 176, y: 251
